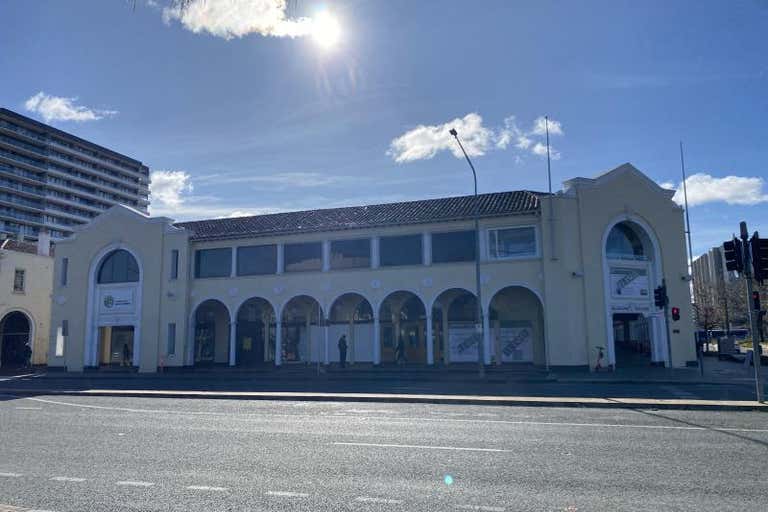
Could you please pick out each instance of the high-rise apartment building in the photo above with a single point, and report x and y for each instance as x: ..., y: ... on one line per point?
x: 51, y: 180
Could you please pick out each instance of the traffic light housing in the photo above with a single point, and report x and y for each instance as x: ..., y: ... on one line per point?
x: 759, y: 249
x: 734, y: 259
x: 756, y: 301
x: 660, y: 296
x: 675, y: 314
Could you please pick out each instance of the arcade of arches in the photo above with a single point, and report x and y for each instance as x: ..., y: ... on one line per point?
x: 398, y: 335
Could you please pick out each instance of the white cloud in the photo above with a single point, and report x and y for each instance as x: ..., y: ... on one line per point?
x: 237, y: 18
x: 57, y: 108
x: 425, y: 141
x: 668, y: 185
x: 168, y: 189
x: 540, y: 127
x: 704, y: 188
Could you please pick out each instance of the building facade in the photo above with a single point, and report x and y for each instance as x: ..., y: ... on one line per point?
x: 26, y: 278
x: 564, y: 278
x: 710, y: 277
x: 52, y: 180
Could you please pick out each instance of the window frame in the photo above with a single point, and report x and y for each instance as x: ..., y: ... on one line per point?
x: 445, y: 232
x: 23, y: 273
x: 237, y: 260
x: 197, y: 262
x: 537, y: 250
x: 170, y: 347
x: 369, y: 239
x: 319, y: 243
x: 419, y: 236
x: 174, y: 264
x: 64, y: 271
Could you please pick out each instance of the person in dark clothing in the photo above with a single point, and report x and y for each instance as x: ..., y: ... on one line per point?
x: 400, y: 351
x: 343, y: 350
x: 126, y: 355
x: 27, y: 356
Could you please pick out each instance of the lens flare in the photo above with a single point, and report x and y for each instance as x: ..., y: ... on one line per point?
x: 326, y: 30
x: 448, y: 480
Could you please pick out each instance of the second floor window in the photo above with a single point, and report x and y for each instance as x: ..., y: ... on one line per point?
x: 351, y: 253
x: 213, y: 262
x: 257, y: 260
x: 303, y: 256
x: 18, y: 280
x: 514, y: 242
x: 453, y: 246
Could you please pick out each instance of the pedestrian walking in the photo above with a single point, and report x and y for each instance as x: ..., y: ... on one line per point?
x: 400, y: 352
x: 343, y: 350
x: 27, y: 356
x: 126, y: 355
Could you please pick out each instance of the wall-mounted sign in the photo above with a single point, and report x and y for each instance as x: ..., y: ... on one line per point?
x: 516, y: 344
x: 629, y: 283
x: 117, y: 301
x: 463, y: 342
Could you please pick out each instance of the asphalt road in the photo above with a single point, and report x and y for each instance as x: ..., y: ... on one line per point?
x: 101, y: 453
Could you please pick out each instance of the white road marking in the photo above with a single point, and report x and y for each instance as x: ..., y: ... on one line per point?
x: 39, y: 510
x: 425, y: 447
x: 67, y: 479
x: 29, y: 408
x: 484, y: 508
x: 287, y: 494
x: 262, y: 415
x: 367, y: 499
x: 207, y: 488
x: 11, y: 475
x: 132, y: 483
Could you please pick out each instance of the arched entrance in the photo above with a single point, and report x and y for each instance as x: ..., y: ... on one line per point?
x: 454, y: 316
x: 303, y: 339
x: 635, y: 331
x: 403, y: 323
x: 115, y: 312
x: 517, y: 326
x: 351, y: 315
x: 255, y: 338
x: 211, y: 333
x: 15, y: 335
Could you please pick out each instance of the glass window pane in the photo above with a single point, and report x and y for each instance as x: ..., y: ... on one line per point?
x: 513, y: 242
x: 453, y: 247
x: 304, y: 256
x: 213, y: 262
x: 351, y: 253
x: 257, y: 260
x: 400, y: 250
x: 174, y: 264
x: 171, y: 348
x: 119, y: 267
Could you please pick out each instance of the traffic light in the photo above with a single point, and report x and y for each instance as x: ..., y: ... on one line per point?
x: 756, y: 301
x: 734, y: 259
x: 660, y: 296
x: 759, y: 249
x: 675, y: 314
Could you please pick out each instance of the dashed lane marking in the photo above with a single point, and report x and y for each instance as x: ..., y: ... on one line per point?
x: 67, y: 479
x: 207, y: 488
x: 287, y: 494
x: 483, y: 508
x: 28, y: 408
x: 132, y: 483
x: 11, y: 475
x: 386, y: 501
x: 425, y: 447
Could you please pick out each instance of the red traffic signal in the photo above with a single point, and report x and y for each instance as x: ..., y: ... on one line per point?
x: 675, y: 314
x: 756, y: 301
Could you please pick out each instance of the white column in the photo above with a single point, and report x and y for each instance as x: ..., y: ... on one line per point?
x: 233, y: 272
x: 446, y: 345
x: 326, y: 255
x: 279, y: 342
x: 352, y: 340
x: 375, y: 254
x: 376, y: 340
x: 430, y: 341
x: 487, y: 335
x: 325, y: 335
x: 426, y: 247
x: 232, y: 340
x: 280, y: 258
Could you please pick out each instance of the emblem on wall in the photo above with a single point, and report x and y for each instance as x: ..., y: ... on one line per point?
x: 109, y: 301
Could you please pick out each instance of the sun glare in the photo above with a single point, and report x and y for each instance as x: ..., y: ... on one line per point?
x: 326, y: 30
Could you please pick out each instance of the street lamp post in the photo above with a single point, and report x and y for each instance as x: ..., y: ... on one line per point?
x: 479, y: 328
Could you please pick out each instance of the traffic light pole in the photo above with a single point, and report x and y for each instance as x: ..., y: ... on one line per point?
x: 666, y: 322
x: 753, y: 315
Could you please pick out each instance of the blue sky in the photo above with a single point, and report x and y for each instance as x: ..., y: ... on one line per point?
x: 234, y: 121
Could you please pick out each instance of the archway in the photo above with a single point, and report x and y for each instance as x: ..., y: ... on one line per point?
x: 211, y: 334
x: 517, y: 326
x: 15, y: 335
x: 255, y: 338
x: 351, y: 315
x: 635, y: 330
x: 403, y: 323
x: 303, y: 339
x: 116, y: 310
x: 454, y: 316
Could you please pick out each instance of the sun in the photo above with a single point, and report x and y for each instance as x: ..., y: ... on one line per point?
x: 326, y: 30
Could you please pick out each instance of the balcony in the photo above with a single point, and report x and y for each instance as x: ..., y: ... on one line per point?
x: 101, y: 161
x: 29, y: 134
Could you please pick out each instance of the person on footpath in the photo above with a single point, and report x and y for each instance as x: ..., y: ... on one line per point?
x: 343, y: 351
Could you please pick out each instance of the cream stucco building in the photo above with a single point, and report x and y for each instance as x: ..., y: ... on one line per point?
x: 26, y: 275
x: 564, y: 277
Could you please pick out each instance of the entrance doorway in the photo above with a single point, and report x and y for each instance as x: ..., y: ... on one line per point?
x: 632, y: 340
x: 255, y: 340
x: 403, y: 324
x: 116, y: 346
x: 15, y: 331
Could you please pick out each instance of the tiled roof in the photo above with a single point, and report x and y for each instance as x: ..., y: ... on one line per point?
x: 11, y: 244
x: 357, y: 217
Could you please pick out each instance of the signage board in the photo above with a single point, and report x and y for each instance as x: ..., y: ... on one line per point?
x: 631, y: 283
x: 463, y: 342
x: 117, y: 301
x: 516, y: 344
